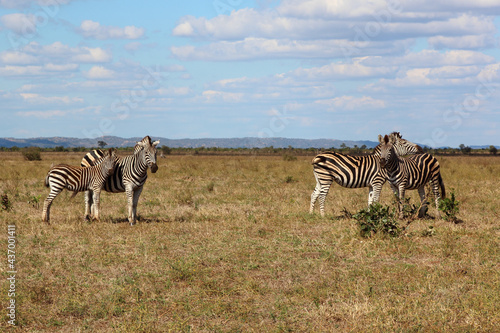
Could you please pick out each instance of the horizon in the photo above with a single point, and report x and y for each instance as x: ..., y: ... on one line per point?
x: 338, y: 141
x: 252, y: 68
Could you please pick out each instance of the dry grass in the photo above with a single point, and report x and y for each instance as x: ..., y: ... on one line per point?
x: 225, y: 244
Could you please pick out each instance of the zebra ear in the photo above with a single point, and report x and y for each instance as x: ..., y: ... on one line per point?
x: 156, y: 143
x: 393, y: 139
x: 386, y: 139
x: 380, y: 139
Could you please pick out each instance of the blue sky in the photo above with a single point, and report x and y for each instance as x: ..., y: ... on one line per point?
x: 340, y: 69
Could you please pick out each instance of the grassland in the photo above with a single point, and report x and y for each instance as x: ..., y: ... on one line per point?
x: 226, y: 244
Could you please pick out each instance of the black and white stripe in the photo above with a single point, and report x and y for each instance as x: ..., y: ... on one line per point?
x: 410, y: 173
x: 354, y: 171
x: 129, y: 176
x: 78, y: 179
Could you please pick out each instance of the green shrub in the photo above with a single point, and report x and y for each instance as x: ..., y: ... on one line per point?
x: 377, y: 218
x: 32, y: 154
x: 450, y: 207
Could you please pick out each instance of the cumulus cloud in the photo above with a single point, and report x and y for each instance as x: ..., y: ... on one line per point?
x: 99, y: 72
x: 39, y: 99
x: 92, y: 29
x: 19, y: 23
x: 335, y: 29
x: 352, y: 103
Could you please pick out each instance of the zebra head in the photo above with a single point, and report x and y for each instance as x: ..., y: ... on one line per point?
x: 387, y: 152
x: 404, y: 147
x: 149, y: 149
x: 108, y: 162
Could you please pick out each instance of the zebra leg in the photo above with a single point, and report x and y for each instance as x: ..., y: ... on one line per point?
x: 88, y: 204
x: 322, y: 197
x: 137, y: 194
x: 423, y: 203
x: 48, y: 202
x: 130, y: 202
x: 314, y: 197
x: 401, y: 201
x: 375, y: 189
x: 97, y: 197
x: 435, y: 189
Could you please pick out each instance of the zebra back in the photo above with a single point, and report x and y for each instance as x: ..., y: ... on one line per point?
x: 358, y: 171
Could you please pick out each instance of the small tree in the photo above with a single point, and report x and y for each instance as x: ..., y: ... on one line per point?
x: 465, y: 149
x: 166, y: 150
x: 101, y: 144
x: 493, y: 150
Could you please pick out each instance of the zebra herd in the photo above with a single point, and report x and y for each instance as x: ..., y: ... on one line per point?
x: 399, y: 161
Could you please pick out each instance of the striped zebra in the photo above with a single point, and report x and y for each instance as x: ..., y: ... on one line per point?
x: 410, y: 173
x: 129, y: 176
x: 78, y: 179
x: 354, y: 171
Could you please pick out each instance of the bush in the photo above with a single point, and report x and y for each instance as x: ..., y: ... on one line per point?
x: 32, y: 154
x: 288, y: 157
x: 377, y: 218
x: 450, y: 208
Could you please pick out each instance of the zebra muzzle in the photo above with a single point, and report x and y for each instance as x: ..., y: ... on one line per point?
x: 154, y: 168
x: 383, y: 162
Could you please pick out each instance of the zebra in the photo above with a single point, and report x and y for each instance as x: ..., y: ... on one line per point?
x: 410, y: 173
x: 354, y: 171
x: 77, y: 179
x: 129, y: 176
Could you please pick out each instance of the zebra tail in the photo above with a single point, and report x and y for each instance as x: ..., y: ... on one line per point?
x: 73, y: 195
x: 47, y: 180
x: 441, y: 184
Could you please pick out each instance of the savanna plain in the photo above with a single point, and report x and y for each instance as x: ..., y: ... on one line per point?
x: 226, y: 244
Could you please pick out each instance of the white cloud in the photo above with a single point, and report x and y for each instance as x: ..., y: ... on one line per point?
x: 464, y: 42
x: 212, y: 96
x: 90, y: 55
x: 27, y: 3
x: 99, y: 72
x: 39, y: 99
x: 352, y: 103
x: 17, y: 58
x: 335, y: 29
x: 339, y: 70
x: 19, y: 23
x: 92, y: 29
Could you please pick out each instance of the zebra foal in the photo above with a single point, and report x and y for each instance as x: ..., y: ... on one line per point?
x: 129, y: 176
x: 354, y: 171
x: 77, y: 179
x: 410, y: 173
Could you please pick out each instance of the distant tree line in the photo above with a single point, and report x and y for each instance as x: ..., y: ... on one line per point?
x: 33, y: 153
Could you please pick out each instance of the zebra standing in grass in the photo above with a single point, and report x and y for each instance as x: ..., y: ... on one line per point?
x: 410, y: 173
x: 354, y: 171
x: 78, y: 179
x: 129, y: 176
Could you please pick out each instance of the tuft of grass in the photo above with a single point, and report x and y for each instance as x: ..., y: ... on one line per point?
x: 6, y: 203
